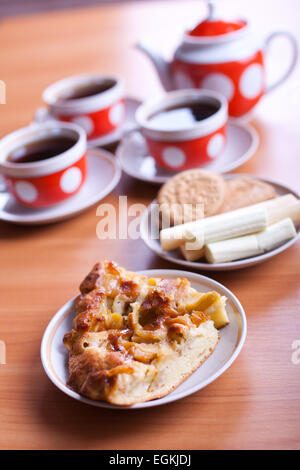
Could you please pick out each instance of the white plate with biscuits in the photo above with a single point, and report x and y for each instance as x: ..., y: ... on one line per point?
x: 151, y: 221
x: 135, y: 160
x: 232, y: 337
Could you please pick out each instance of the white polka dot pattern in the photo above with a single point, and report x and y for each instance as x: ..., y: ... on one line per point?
x: 85, y: 122
x: 116, y: 114
x: 221, y: 83
x: 251, y: 81
x: 173, y: 157
x: 70, y: 180
x: 26, y: 191
x: 215, y: 145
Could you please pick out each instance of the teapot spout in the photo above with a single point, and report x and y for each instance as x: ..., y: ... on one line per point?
x: 162, y: 66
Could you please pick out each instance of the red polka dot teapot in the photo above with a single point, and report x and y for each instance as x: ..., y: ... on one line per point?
x: 225, y: 56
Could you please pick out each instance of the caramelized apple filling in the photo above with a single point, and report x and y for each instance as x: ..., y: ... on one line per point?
x: 134, y: 339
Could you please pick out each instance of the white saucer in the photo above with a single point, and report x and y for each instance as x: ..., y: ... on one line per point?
x: 103, y: 176
x: 242, y: 143
x: 114, y: 137
x: 176, y: 257
x: 55, y: 356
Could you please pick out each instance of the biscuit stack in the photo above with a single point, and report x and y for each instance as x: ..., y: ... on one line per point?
x: 195, y: 194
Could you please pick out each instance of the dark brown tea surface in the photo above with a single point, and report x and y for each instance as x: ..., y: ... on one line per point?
x: 182, y: 116
x: 41, y: 149
x: 87, y: 90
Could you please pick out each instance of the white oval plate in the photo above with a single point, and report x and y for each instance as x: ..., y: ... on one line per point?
x: 55, y: 356
x: 242, y: 143
x: 103, y: 175
x: 114, y: 137
x: 176, y: 257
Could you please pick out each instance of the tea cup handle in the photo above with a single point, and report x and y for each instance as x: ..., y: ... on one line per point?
x: 293, y: 63
x: 128, y: 133
x: 134, y: 133
x: 42, y: 115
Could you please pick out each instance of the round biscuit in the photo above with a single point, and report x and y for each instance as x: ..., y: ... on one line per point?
x: 191, y: 195
x: 245, y: 191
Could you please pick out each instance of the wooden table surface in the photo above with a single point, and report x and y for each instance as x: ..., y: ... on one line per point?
x: 256, y: 403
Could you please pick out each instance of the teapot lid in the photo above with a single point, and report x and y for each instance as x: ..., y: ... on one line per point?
x: 214, y: 27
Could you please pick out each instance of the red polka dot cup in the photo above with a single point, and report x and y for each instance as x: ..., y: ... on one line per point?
x: 49, y: 181
x: 181, y: 145
x: 95, y: 102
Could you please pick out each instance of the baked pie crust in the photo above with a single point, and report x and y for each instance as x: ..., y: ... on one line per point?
x: 136, y: 339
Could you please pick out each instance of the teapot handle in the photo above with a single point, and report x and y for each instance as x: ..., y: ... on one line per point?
x: 293, y: 63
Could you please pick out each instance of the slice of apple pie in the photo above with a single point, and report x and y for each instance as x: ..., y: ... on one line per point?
x: 135, y: 338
